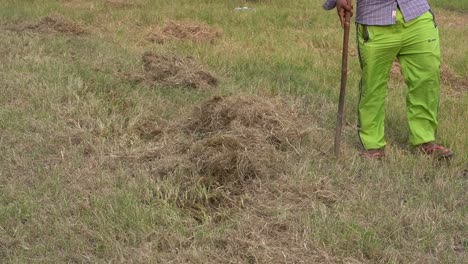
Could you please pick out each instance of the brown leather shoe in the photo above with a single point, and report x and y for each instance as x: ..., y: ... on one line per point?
x: 372, y: 153
x: 436, y: 151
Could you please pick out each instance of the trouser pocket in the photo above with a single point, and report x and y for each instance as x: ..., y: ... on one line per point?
x: 364, y: 32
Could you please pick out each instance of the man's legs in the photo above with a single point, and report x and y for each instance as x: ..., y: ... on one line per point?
x: 417, y: 45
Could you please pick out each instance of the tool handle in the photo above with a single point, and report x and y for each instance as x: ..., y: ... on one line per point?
x: 344, y: 76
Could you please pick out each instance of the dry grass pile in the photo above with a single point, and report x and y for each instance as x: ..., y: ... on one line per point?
x: 170, y: 70
x: 52, y: 24
x: 226, y: 146
x: 193, y: 31
x: 242, y: 138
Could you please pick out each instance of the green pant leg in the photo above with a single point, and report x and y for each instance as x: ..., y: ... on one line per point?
x: 378, y: 46
x: 420, y: 61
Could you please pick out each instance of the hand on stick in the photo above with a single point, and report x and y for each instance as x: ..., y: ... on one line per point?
x: 342, y: 6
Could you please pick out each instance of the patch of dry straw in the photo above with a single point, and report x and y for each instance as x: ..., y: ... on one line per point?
x: 52, y: 24
x: 226, y: 146
x: 192, y: 31
x: 171, y: 70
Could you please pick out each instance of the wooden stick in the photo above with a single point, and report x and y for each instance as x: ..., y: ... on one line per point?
x: 344, y: 76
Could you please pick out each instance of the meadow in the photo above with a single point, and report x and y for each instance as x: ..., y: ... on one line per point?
x: 186, y: 131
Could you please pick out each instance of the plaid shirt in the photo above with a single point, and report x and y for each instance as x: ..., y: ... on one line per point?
x: 382, y: 12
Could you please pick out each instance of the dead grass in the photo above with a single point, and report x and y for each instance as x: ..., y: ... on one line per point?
x: 51, y: 24
x: 272, y: 229
x: 149, y: 129
x: 241, y: 150
x: 121, y: 3
x: 449, y: 20
x: 171, y: 70
x: 226, y: 145
x: 450, y: 78
x: 192, y: 31
x: 242, y: 138
x: 269, y: 229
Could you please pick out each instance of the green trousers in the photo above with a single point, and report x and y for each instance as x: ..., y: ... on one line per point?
x: 416, y: 45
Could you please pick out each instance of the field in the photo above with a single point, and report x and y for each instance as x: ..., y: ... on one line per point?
x: 186, y: 131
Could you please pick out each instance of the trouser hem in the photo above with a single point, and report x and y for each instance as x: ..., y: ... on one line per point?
x: 419, y: 142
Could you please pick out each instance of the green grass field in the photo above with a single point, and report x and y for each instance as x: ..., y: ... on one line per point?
x: 80, y: 139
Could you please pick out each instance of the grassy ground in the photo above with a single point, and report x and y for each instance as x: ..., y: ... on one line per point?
x: 457, y: 5
x: 67, y: 111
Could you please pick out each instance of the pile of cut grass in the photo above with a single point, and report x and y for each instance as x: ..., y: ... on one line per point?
x: 185, y: 31
x: 228, y: 145
x: 51, y: 24
x: 173, y: 71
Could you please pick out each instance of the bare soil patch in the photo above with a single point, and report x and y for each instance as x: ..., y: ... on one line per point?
x: 192, y: 31
x: 174, y: 71
x: 51, y: 24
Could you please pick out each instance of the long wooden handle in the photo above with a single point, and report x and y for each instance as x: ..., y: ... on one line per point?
x: 344, y: 77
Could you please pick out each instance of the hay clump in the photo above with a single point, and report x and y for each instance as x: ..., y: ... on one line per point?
x: 52, y: 24
x: 224, y: 149
x: 227, y: 146
x: 170, y: 70
x: 271, y: 120
x: 234, y: 161
x: 240, y: 139
x: 192, y: 31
